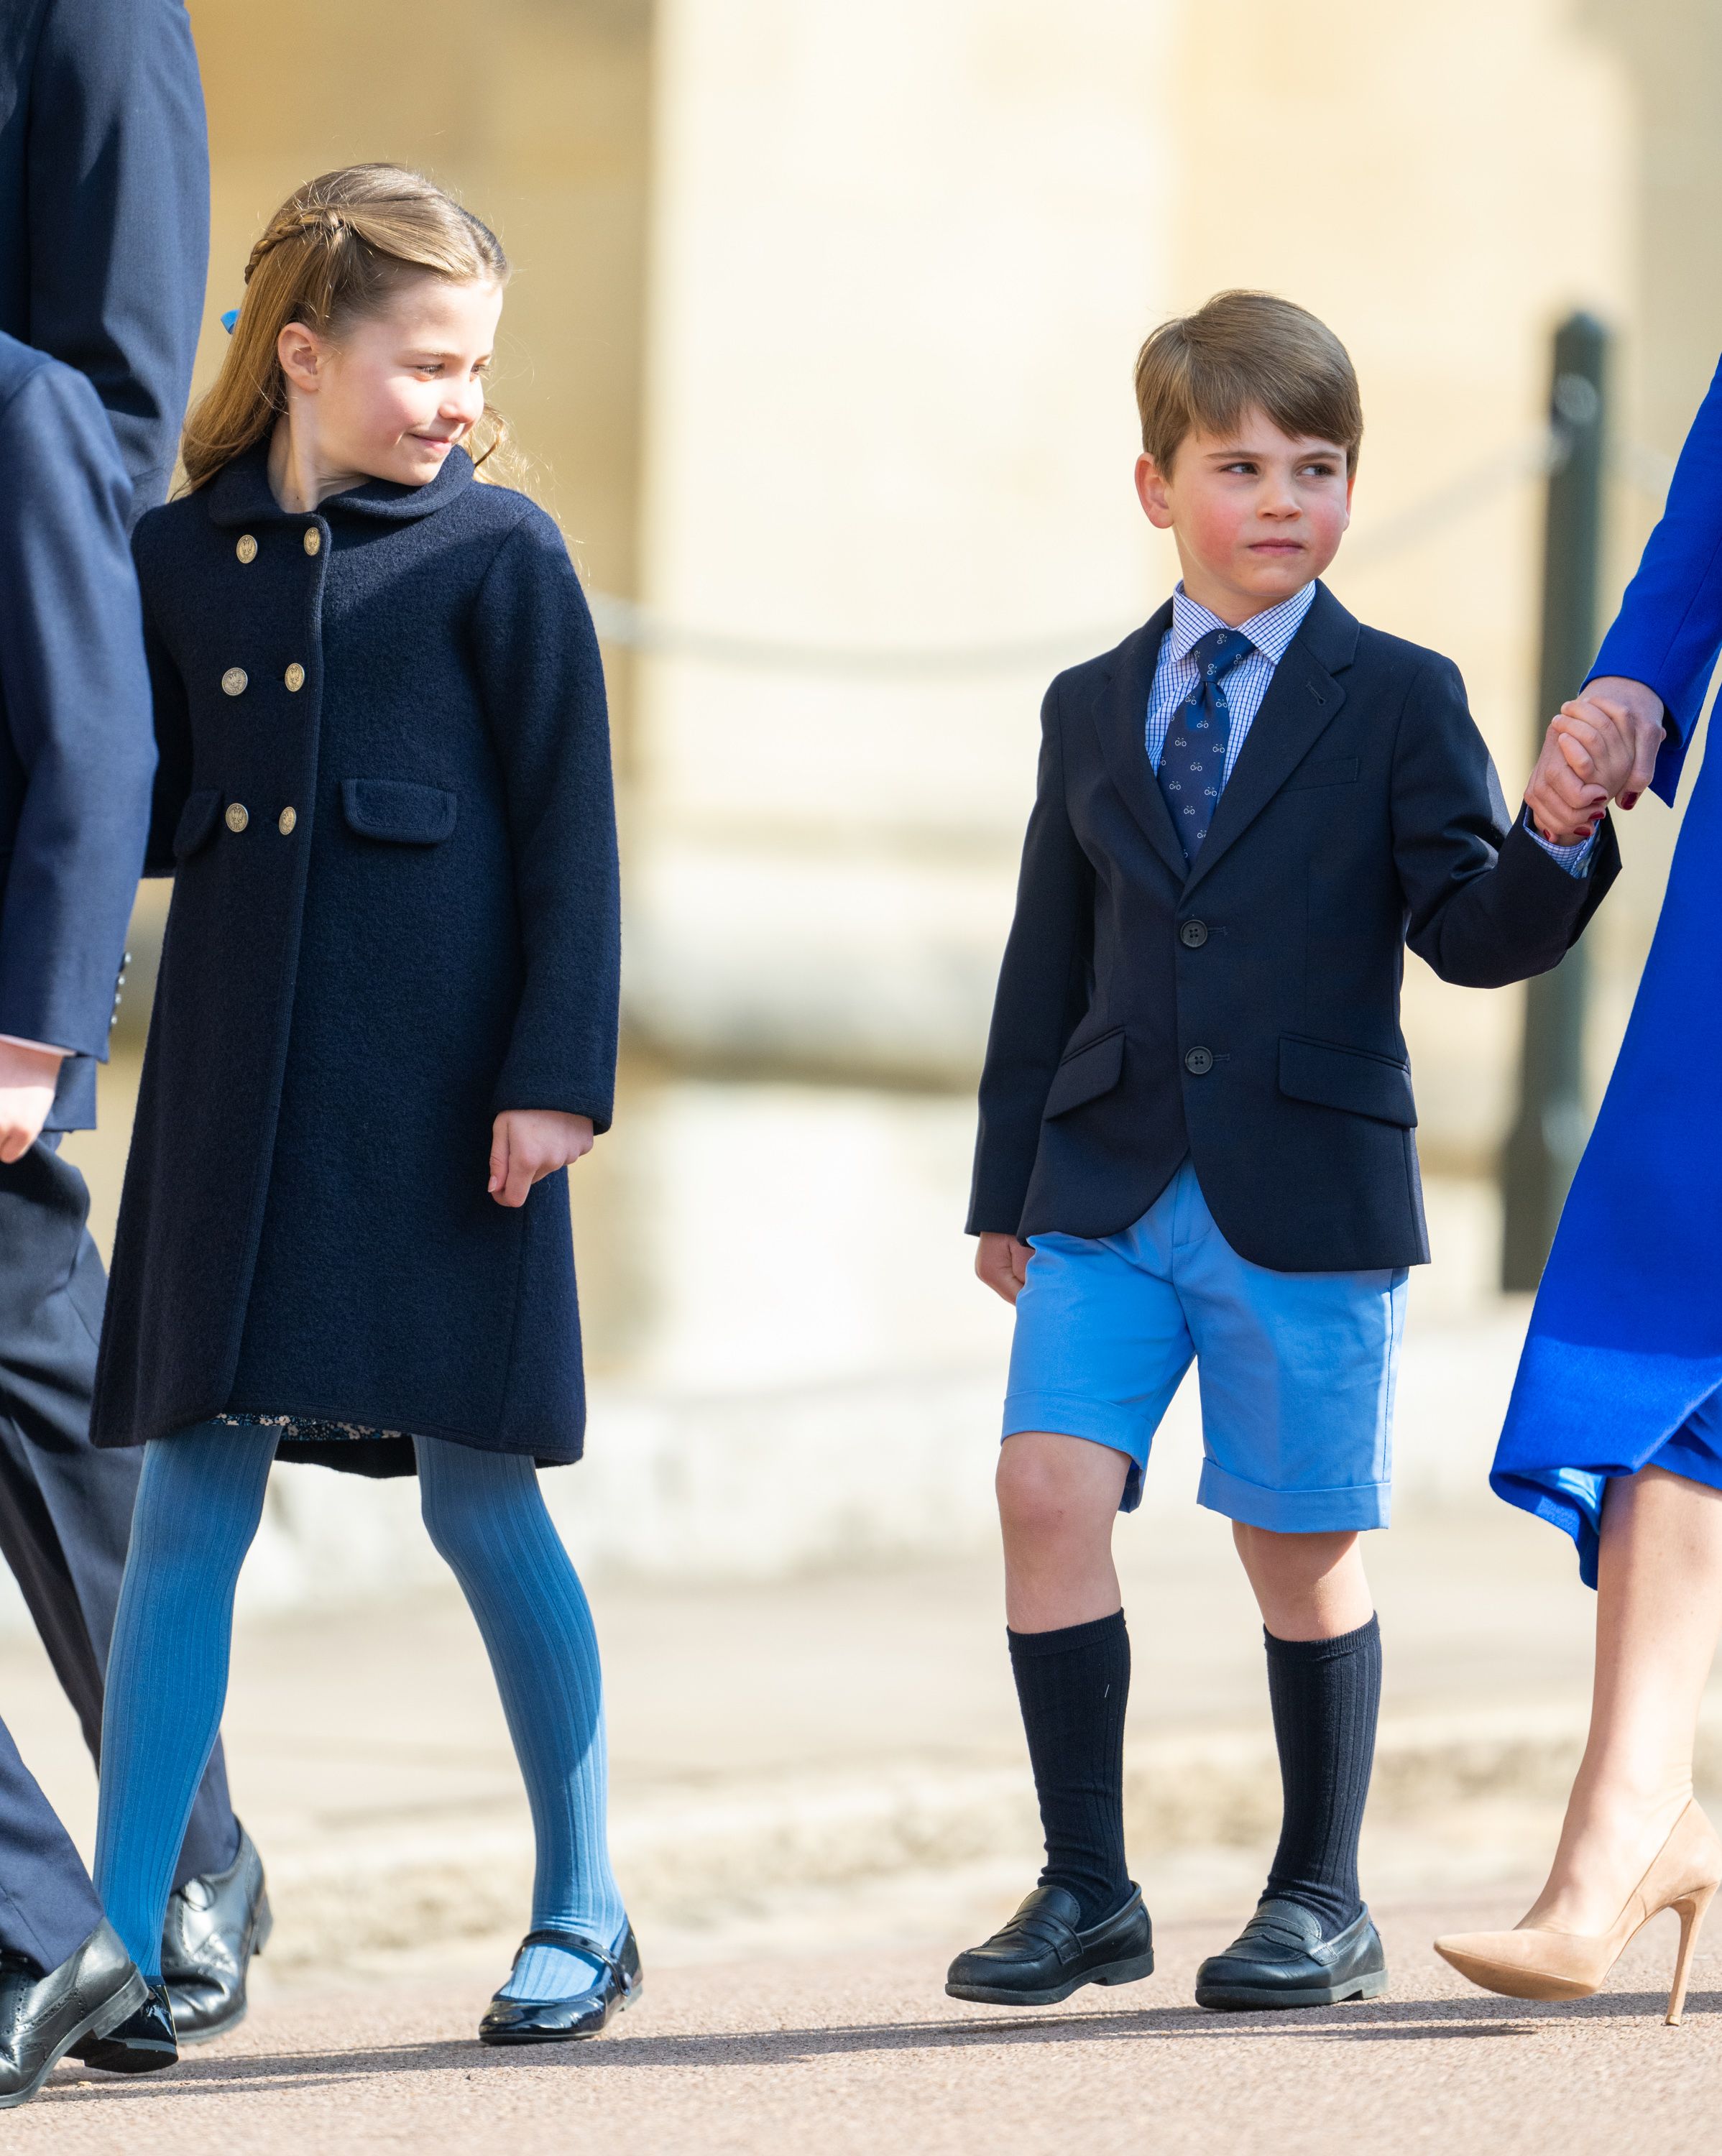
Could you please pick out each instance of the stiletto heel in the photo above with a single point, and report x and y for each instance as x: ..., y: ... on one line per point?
x: 1693, y: 1910
x: 1538, y: 1962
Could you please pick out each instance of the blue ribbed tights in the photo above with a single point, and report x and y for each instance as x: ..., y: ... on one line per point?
x: 198, y: 1504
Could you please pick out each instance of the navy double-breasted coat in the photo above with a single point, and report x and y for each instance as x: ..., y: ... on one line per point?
x: 384, y: 795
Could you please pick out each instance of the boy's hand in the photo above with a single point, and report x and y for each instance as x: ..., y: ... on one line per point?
x: 1636, y: 712
x: 27, y: 1079
x: 527, y: 1144
x: 1002, y: 1262
x: 1567, y: 795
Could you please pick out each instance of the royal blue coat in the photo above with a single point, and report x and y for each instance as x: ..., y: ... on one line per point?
x: 1626, y: 1337
x: 385, y: 800
x: 76, y: 753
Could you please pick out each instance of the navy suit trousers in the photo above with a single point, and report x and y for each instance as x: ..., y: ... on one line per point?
x: 65, y: 1516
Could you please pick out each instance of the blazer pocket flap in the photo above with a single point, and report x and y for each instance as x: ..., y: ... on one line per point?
x: 1351, y: 1078
x: 1087, y: 1073
x: 196, y: 820
x: 1328, y: 770
x: 396, y: 808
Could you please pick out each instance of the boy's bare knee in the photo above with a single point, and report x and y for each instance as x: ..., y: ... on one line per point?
x: 1053, y: 1489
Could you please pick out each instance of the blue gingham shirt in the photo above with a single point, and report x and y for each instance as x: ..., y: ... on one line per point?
x: 1176, y: 675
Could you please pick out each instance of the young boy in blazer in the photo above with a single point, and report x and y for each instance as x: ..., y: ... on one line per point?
x: 1196, y: 1123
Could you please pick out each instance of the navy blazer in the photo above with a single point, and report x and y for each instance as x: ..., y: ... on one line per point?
x: 104, y: 208
x: 1245, y: 1012
x: 76, y: 745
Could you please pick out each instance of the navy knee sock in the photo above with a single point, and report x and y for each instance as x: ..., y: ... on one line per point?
x: 1326, y: 1694
x: 1073, y: 1684
x: 486, y: 1516
x: 198, y: 1502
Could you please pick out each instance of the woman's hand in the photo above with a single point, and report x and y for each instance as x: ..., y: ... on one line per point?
x: 527, y: 1144
x: 27, y: 1079
x: 1637, y: 711
x: 1002, y: 1262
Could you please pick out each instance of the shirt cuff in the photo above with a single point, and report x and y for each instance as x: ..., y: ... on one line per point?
x: 41, y: 1047
x: 1575, y: 859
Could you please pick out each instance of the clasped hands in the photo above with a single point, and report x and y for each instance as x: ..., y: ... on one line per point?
x: 1600, y: 747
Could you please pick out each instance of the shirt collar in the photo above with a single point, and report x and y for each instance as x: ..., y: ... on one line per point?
x: 1271, y: 633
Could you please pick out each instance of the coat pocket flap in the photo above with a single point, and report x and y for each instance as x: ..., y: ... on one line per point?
x: 1348, y: 1078
x: 1084, y: 1075
x: 196, y: 820
x: 397, y: 809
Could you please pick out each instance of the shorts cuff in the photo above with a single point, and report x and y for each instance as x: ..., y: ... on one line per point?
x: 1065, y: 1415
x: 1294, y: 1511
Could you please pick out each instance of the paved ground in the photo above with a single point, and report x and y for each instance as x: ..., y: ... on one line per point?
x: 863, y: 2053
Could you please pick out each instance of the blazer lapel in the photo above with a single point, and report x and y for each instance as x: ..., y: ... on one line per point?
x: 1302, y: 700
x: 1121, y: 720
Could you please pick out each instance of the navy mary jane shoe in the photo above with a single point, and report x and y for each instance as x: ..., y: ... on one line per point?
x: 142, y: 2044
x: 562, y: 2020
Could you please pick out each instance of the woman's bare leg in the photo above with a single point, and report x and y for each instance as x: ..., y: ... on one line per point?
x: 1659, y: 1614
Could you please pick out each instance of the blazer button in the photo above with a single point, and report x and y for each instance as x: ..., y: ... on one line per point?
x: 1193, y: 935
x: 285, y: 823
x: 234, y: 680
x: 247, y: 547
x: 294, y: 677
x: 238, y: 816
x: 313, y: 540
x: 1198, y: 1062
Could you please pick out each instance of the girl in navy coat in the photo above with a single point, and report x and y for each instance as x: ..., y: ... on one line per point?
x: 385, y: 1027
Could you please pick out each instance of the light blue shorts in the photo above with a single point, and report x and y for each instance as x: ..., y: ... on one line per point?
x: 1297, y: 1370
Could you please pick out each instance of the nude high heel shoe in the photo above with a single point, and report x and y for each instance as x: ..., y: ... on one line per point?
x: 1535, y: 1962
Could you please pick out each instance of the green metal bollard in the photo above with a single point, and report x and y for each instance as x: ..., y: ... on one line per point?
x: 1553, y: 1122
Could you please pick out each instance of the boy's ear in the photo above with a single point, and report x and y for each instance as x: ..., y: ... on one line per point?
x: 1151, y: 493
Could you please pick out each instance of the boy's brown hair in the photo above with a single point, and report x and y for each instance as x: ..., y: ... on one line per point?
x: 1203, y: 372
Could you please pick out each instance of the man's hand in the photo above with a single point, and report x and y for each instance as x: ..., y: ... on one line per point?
x: 27, y: 1078
x: 1002, y: 1262
x: 527, y: 1144
x: 1637, y: 713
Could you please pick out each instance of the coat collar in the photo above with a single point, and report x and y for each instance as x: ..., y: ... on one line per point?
x: 240, y: 494
x: 1302, y: 699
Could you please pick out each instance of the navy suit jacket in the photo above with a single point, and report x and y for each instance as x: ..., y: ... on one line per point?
x: 104, y: 208
x: 1245, y: 1012
x: 77, y: 747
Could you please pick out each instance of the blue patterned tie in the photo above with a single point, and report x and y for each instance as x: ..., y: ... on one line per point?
x: 1193, y: 761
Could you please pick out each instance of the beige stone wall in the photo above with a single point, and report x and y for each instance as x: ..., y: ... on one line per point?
x: 820, y: 336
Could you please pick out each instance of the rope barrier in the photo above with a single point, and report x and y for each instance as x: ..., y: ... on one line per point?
x: 640, y: 629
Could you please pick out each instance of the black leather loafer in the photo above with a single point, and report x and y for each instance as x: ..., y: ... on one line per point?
x: 42, y: 2018
x: 143, y: 2043
x: 1280, y: 1959
x: 1041, y: 1957
x: 564, y: 2020
x: 215, y: 1924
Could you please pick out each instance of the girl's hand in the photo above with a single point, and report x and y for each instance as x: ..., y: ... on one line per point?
x: 1002, y: 1262
x: 527, y: 1144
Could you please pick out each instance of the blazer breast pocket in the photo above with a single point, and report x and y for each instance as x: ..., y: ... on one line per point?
x: 400, y: 809
x: 1329, y: 771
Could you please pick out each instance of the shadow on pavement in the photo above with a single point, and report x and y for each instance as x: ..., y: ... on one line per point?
x: 1400, y: 2021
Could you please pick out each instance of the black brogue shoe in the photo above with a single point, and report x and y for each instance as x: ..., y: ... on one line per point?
x: 43, y: 2018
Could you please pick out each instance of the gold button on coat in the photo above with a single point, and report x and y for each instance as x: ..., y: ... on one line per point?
x: 294, y: 677
x: 238, y: 816
x: 313, y: 540
x: 247, y: 548
x: 289, y: 818
x: 234, y: 680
